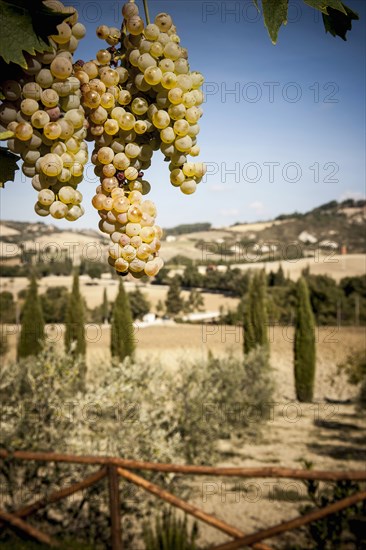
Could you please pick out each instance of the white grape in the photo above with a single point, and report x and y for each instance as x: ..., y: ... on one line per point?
x: 61, y: 68
x: 58, y: 210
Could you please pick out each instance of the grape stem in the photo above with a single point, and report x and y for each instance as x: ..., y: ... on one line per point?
x: 146, y: 8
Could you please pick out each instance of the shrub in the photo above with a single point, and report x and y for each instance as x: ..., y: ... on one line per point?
x: 334, y: 531
x: 355, y: 368
x: 205, y: 395
x: 134, y: 409
x: 170, y: 532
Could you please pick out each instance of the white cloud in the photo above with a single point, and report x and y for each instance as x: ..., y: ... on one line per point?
x: 257, y: 206
x: 229, y: 213
x: 219, y: 188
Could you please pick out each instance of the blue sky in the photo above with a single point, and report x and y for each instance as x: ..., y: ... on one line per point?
x: 283, y: 126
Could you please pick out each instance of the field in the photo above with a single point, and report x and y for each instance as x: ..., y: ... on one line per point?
x: 93, y: 290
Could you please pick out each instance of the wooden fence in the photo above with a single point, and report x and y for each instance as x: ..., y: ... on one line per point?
x: 113, y: 469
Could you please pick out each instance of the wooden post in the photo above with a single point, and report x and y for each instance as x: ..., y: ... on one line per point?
x: 114, y: 508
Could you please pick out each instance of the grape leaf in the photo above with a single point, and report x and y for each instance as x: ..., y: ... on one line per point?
x: 338, y: 23
x: 25, y: 27
x: 275, y: 15
x: 323, y: 5
x: 337, y: 16
x: 8, y: 166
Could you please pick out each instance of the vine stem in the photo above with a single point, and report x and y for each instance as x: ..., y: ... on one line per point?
x: 146, y: 8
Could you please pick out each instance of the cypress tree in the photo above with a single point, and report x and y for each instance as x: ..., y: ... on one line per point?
x: 32, y: 332
x: 74, y: 323
x: 105, y: 307
x: 174, y: 302
x: 122, y: 333
x: 304, y: 344
x: 248, y: 328
x: 255, y: 321
x: 259, y: 309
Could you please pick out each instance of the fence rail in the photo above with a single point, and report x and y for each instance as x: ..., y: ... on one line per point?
x: 114, y: 468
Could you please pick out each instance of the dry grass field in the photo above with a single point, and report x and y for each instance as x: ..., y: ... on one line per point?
x: 93, y: 290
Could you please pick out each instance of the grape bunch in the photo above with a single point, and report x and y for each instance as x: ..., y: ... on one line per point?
x: 139, y: 97
x: 165, y: 94
x: 43, y: 110
x: 136, y: 97
x: 130, y: 222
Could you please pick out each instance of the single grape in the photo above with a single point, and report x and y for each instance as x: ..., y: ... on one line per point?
x: 129, y: 10
x: 46, y: 197
x: 63, y: 33
x: 58, y: 210
x: 135, y: 25
x: 163, y: 21
x: 29, y: 106
x: 66, y: 194
x: 45, y: 78
x: 11, y: 90
x: 79, y: 31
x: 51, y: 165
x: 61, y: 68
x: 102, y: 32
x: 24, y: 131
x: 104, y: 57
x: 188, y: 186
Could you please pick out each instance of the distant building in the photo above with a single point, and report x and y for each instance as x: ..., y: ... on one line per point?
x: 149, y: 318
x: 170, y: 238
x: 306, y: 237
x: 204, y: 316
x: 264, y: 248
x: 329, y: 244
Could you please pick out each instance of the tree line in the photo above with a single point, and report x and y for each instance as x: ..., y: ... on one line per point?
x: 332, y: 303
x: 32, y: 335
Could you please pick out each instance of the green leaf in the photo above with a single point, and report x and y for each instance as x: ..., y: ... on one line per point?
x: 275, y: 15
x: 338, y: 23
x: 8, y: 166
x: 6, y: 135
x: 25, y: 28
x: 323, y: 5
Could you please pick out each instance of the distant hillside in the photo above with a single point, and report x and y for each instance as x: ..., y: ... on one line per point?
x: 333, y: 225
x: 18, y: 231
x: 187, y: 228
x: 332, y: 228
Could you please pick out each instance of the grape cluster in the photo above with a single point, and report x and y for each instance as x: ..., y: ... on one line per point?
x: 137, y: 96
x: 165, y: 95
x: 150, y: 101
x: 130, y: 222
x: 43, y: 110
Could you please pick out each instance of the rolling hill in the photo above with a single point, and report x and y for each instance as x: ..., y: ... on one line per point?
x: 324, y: 234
